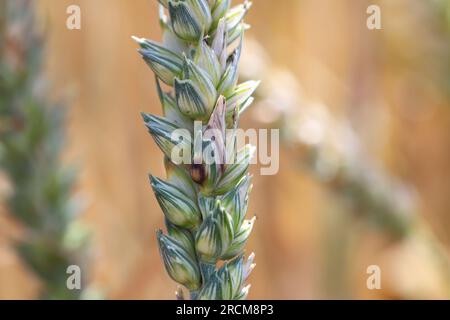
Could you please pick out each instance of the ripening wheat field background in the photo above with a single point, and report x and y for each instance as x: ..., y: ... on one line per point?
x: 391, y: 86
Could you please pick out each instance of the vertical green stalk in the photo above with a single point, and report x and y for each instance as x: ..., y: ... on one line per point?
x: 31, y: 140
x: 204, y: 202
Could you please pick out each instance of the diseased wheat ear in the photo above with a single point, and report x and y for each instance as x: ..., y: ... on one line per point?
x: 204, y: 204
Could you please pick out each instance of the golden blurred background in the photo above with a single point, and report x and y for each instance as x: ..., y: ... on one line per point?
x: 390, y: 86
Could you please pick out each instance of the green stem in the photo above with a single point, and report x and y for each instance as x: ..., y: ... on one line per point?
x: 194, y: 295
x: 207, y: 269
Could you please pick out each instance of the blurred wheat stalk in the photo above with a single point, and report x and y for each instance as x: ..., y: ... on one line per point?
x: 331, y: 150
x: 204, y: 203
x: 31, y: 140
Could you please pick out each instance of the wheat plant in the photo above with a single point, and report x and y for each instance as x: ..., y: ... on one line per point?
x: 204, y: 202
x: 31, y: 140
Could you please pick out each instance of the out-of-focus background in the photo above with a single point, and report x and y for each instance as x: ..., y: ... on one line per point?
x: 364, y: 173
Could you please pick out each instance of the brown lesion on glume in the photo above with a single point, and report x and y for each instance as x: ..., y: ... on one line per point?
x: 198, y: 174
